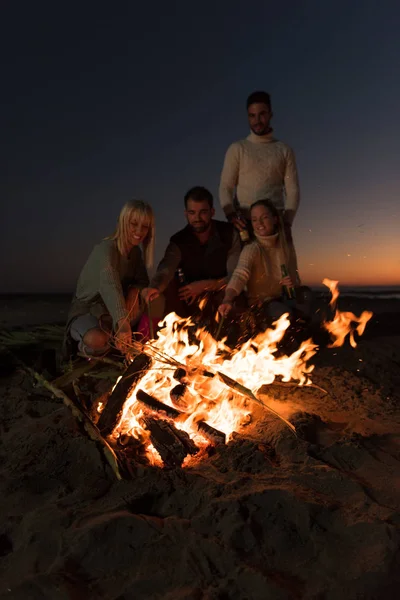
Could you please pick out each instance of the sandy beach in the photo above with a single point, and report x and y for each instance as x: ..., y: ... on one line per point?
x: 268, y: 515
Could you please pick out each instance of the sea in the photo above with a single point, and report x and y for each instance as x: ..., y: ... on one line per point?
x: 374, y: 292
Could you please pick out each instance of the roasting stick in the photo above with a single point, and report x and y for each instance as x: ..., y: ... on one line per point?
x: 222, y: 319
x: 151, y: 328
x: 241, y: 389
x: 285, y: 251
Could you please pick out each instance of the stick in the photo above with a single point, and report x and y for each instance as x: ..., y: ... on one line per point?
x: 151, y: 328
x: 219, y: 329
x: 292, y: 384
x: 285, y: 250
x: 103, y: 359
x: 78, y: 413
x: 241, y: 389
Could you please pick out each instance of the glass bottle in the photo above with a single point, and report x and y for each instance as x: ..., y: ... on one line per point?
x: 244, y: 233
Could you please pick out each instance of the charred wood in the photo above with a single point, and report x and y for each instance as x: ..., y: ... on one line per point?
x: 112, y: 411
x: 180, y: 374
x: 213, y: 435
x: 156, y: 405
x: 177, y: 395
x: 172, y: 444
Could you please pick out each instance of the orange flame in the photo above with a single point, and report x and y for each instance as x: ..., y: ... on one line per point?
x: 207, y: 397
x: 342, y: 323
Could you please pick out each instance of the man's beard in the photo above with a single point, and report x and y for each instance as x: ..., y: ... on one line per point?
x: 201, y: 227
x: 264, y: 131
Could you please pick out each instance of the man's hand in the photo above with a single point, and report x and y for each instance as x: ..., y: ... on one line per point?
x: 189, y: 292
x: 225, y: 308
x: 149, y: 294
x: 123, y: 336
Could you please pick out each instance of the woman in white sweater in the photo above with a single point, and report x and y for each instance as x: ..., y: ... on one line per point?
x: 266, y: 267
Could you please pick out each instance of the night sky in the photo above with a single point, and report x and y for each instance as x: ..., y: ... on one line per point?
x: 102, y: 103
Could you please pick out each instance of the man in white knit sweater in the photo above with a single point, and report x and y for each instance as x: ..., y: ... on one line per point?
x: 259, y: 167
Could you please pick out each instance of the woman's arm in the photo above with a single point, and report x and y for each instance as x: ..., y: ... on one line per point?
x: 110, y: 287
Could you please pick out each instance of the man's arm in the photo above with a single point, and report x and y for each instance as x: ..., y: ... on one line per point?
x: 212, y: 285
x: 167, y: 267
x: 229, y: 180
x: 292, y: 190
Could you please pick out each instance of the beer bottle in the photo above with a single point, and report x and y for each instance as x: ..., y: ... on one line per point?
x: 244, y: 233
x: 288, y: 292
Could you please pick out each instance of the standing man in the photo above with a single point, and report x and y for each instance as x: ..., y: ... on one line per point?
x: 259, y: 167
x: 204, y: 254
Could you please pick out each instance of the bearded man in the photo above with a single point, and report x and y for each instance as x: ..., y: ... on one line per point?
x: 259, y: 167
x: 198, y: 261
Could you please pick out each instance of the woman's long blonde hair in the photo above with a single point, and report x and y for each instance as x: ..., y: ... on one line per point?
x: 141, y: 211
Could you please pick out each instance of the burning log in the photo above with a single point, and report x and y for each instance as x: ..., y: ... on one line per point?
x: 113, y: 409
x: 213, y: 435
x: 210, y: 433
x: 177, y: 395
x: 156, y: 405
x: 180, y: 374
x: 172, y: 444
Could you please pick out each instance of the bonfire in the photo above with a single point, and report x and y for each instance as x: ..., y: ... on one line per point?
x: 185, y: 392
x: 182, y: 394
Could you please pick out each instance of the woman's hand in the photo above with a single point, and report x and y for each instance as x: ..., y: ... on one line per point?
x: 149, y: 294
x: 286, y: 281
x: 123, y: 336
x: 189, y: 292
x: 225, y: 308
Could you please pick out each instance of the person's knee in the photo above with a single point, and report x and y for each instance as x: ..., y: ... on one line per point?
x: 96, y: 339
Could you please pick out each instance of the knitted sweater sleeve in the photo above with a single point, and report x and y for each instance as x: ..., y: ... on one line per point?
x: 291, y: 182
x: 141, y: 277
x: 229, y: 179
x: 110, y: 287
x: 241, y: 274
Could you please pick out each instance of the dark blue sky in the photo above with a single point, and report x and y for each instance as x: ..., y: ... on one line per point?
x: 105, y: 103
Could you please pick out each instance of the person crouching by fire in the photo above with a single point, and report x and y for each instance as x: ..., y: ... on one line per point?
x: 107, y: 302
x: 198, y: 261
x: 267, y: 267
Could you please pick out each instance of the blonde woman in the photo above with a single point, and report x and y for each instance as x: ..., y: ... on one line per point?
x: 107, y: 301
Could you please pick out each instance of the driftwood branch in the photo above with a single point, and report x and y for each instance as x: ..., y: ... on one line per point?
x: 78, y: 413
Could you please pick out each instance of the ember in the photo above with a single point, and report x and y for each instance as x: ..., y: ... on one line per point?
x: 184, y: 393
